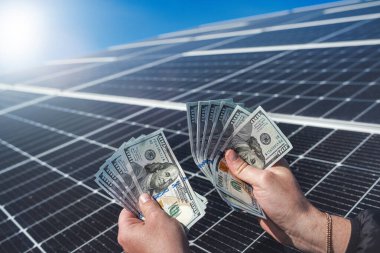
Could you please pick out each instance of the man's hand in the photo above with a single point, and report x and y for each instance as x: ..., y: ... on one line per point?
x: 292, y: 219
x: 158, y: 233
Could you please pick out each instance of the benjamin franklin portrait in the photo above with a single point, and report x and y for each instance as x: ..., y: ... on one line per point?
x: 156, y: 177
x: 248, y: 147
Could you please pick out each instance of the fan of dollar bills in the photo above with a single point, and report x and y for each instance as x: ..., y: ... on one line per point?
x: 214, y: 127
x: 147, y: 164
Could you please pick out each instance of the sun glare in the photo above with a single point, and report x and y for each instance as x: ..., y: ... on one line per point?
x: 20, y: 33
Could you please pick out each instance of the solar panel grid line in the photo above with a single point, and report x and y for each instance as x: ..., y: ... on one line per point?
x: 199, y: 247
x: 311, y: 88
x: 260, y: 30
x: 57, y: 179
x: 229, y: 76
x: 365, y: 110
x: 325, y: 5
x: 95, y: 237
x: 353, y: 95
x: 294, y: 10
x: 318, y: 197
x: 302, y: 157
x: 82, y: 60
x: 344, y: 102
x: 363, y: 197
x: 108, y: 59
x: 59, y: 131
x: 22, y: 229
x: 26, y: 182
x: 57, y: 211
x: 253, y: 242
x: 332, y: 163
x: 338, y: 164
x: 298, y: 158
x: 123, y: 73
x: 351, y: 7
x: 87, y: 114
x: 328, y: 93
x: 284, y: 53
x: 60, y: 73
x: 76, y: 140
x: 262, y: 92
x: 33, y: 158
x: 105, y: 231
x: 145, y: 66
x: 284, y: 27
x: 285, y: 90
x: 290, y: 47
x: 23, y: 105
x: 212, y: 226
x: 78, y: 221
x: 204, y: 29
x: 312, y: 147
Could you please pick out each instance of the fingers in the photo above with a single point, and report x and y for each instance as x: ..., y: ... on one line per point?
x: 149, y: 207
x: 127, y: 218
x: 126, y: 222
x: 240, y: 169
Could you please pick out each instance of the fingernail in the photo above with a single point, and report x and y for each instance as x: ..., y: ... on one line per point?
x: 231, y: 155
x: 144, y: 198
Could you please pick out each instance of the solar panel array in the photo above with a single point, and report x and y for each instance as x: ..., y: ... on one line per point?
x: 315, y: 69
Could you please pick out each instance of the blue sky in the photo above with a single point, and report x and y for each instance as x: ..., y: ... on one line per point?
x: 71, y: 28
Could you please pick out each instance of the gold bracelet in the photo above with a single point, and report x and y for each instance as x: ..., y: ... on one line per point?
x: 329, y: 248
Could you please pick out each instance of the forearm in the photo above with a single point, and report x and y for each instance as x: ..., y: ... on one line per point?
x: 310, y: 233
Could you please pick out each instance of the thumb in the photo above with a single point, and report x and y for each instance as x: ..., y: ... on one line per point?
x: 242, y: 170
x: 149, y: 206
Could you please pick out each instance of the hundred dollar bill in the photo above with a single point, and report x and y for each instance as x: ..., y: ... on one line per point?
x: 111, y: 173
x: 159, y: 174
x: 222, y: 116
x: 210, y: 117
x: 238, y: 115
x: 201, y: 121
x: 236, y: 204
x: 260, y: 143
x: 125, y: 174
x: 192, y: 112
x: 107, y: 184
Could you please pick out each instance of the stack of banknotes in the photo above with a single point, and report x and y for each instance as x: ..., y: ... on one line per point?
x: 219, y: 125
x: 147, y: 164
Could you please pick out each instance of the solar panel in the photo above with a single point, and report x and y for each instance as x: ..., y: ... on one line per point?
x: 316, y: 70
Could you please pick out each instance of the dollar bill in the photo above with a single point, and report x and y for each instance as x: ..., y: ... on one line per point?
x: 125, y: 174
x: 224, y: 112
x: 210, y: 118
x: 192, y: 112
x: 108, y: 185
x: 201, y: 121
x: 238, y: 115
x: 259, y: 141
x: 109, y: 170
x: 158, y: 172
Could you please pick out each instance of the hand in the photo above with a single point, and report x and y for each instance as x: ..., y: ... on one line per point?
x: 158, y: 233
x: 292, y: 219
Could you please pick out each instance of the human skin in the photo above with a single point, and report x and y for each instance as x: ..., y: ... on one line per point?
x: 158, y: 233
x: 292, y: 219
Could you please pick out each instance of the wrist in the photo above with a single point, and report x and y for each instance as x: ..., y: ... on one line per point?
x: 309, y: 231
